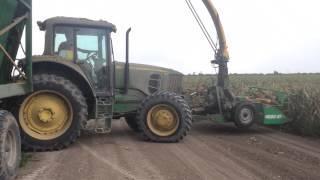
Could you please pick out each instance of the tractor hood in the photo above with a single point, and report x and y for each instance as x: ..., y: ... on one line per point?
x: 145, y: 67
x: 148, y: 78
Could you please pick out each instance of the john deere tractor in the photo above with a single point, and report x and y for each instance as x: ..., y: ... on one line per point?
x: 79, y: 87
x: 15, y: 79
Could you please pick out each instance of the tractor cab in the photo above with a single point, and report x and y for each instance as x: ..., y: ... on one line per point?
x: 80, y: 49
x: 83, y: 42
x: 79, y: 87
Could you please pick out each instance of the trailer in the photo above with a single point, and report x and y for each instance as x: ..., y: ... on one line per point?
x: 15, y: 78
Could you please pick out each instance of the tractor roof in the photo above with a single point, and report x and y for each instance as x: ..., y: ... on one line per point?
x: 75, y: 22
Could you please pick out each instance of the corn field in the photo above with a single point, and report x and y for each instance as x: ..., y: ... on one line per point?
x: 303, y: 91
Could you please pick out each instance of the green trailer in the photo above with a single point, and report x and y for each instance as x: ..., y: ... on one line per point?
x: 15, y: 79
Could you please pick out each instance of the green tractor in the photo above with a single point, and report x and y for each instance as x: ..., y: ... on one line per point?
x: 15, y: 79
x: 79, y: 87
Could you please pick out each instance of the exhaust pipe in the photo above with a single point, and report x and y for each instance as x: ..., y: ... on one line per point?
x: 126, y: 68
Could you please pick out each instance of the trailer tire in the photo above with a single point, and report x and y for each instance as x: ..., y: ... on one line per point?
x: 62, y: 107
x: 244, y: 115
x: 10, y: 145
x: 164, y: 117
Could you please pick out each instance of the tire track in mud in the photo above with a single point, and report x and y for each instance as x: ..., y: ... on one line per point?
x: 218, y: 159
x: 277, y: 138
x: 210, y: 164
x: 46, y: 164
x: 226, y: 151
x: 123, y: 151
x: 266, y: 164
x: 209, y: 152
x: 170, y: 165
x: 98, y: 157
x: 132, y: 154
x: 161, y: 159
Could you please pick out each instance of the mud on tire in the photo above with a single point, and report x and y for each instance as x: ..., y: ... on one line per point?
x: 61, y: 85
x: 174, y: 102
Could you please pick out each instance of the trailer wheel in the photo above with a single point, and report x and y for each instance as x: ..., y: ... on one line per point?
x: 164, y: 117
x: 50, y: 117
x: 10, y: 146
x: 245, y: 115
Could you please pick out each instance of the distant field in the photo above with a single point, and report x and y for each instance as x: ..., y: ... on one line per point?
x: 303, y: 90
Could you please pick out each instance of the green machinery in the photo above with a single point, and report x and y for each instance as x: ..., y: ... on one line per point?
x: 219, y: 102
x: 79, y: 87
x: 15, y: 79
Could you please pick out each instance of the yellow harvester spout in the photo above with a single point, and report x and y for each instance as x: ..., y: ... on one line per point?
x: 223, y: 48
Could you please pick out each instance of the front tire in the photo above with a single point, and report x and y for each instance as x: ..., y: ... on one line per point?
x: 164, y: 117
x: 50, y: 118
x: 10, y: 146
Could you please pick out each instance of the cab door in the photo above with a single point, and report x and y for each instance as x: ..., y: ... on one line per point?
x: 93, y: 54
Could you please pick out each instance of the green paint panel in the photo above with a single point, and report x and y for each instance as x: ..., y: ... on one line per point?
x: 11, y: 10
x: 273, y: 116
x: 128, y: 102
x: 14, y: 89
x: 7, y: 11
x: 217, y: 118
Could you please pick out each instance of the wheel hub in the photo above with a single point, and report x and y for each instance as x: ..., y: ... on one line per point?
x: 246, y: 115
x: 45, y: 115
x: 163, y: 120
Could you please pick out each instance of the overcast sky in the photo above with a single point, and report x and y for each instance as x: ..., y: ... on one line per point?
x: 262, y: 35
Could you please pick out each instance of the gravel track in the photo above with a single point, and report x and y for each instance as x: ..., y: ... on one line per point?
x: 210, y: 151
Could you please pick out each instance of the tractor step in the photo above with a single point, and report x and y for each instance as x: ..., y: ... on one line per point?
x: 104, y: 115
x: 102, y: 123
x: 103, y: 126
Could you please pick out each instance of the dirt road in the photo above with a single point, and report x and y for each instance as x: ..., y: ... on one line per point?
x: 209, y: 152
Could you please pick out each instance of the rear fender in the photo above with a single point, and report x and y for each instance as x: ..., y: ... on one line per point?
x: 69, y: 70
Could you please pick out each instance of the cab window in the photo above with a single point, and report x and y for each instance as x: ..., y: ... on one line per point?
x: 91, y: 54
x: 91, y: 43
x: 63, y: 42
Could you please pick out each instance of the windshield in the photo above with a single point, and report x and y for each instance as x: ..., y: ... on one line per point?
x: 91, y: 42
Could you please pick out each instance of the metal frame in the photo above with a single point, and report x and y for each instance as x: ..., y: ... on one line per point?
x: 15, y: 89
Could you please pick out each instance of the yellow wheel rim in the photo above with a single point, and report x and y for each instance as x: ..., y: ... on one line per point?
x: 45, y: 115
x: 163, y: 120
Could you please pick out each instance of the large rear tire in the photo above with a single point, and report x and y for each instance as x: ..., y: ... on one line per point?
x: 164, y: 117
x: 50, y: 118
x: 10, y: 146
